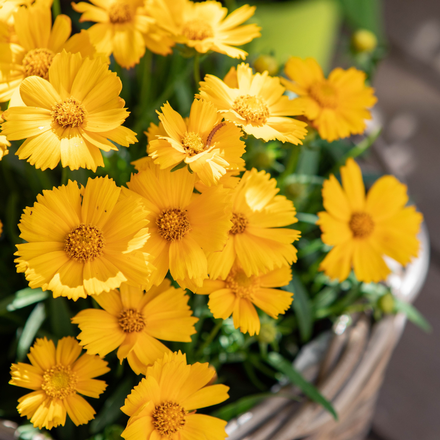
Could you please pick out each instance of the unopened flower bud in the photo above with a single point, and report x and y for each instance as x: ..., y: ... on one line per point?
x: 266, y: 62
x: 386, y: 303
x: 364, y: 41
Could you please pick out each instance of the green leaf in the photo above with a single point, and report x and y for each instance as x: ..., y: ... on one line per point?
x: 302, y: 307
x: 60, y: 317
x: 111, y: 411
x: 307, y: 218
x: 413, y: 314
x: 284, y: 366
x: 26, y: 297
x: 241, y: 406
x: 179, y: 166
x: 30, y: 329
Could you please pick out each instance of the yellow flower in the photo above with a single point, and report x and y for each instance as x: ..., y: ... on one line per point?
x: 258, y: 242
x: 57, y: 376
x: 338, y: 106
x: 4, y: 144
x: 363, y: 229
x: 183, y: 225
x: 71, y: 117
x: 123, y: 29
x: 35, y: 46
x: 257, y: 104
x: 164, y: 403
x: 84, y: 241
x: 203, y: 26
x: 239, y: 293
x: 133, y: 321
x: 207, y: 145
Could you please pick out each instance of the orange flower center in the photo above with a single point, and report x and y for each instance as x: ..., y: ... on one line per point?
x: 84, y: 243
x: 361, y: 224
x: 131, y: 320
x: 168, y: 418
x: 325, y: 93
x: 252, y: 108
x: 192, y: 143
x: 69, y: 113
x: 173, y: 224
x: 37, y: 62
x: 120, y: 12
x: 239, y: 223
x: 197, y: 30
x: 59, y: 382
x: 240, y: 284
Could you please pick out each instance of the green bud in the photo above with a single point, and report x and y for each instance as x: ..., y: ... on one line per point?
x: 386, y: 303
x: 364, y: 41
x: 268, y: 332
x: 266, y: 62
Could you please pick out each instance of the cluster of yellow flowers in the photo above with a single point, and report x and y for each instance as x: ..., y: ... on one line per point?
x: 191, y: 210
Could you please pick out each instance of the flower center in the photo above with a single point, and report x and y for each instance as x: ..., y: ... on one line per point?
x: 59, y: 382
x: 131, y: 321
x: 173, y: 224
x: 168, y: 418
x: 192, y: 143
x: 361, y: 225
x: 325, y: 94
x: 69, y: 113
x: 84, y: 243
x: 37, y: 62
x: 120, y: 12
x: 240, y: 284
x: 197, y: 30
x: 252, y: 108
x: 239, y: 223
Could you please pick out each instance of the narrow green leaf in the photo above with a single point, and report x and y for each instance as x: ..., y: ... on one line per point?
x: 413, y: 314
x: 242, y: 405
x: 26, y: 297
x: 302, y: 307
x: 179, y: 166
x: 307, y: 218
x: 30, y: 329
x: 284, y: 366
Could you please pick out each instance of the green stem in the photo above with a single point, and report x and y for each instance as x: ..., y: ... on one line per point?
x: 291, y: 163
x: 64, y: 175
x: 146, y: 81
x: 231, y: 5
x: 56, y: 8
x: 209, y: 339
x: 197, y: 70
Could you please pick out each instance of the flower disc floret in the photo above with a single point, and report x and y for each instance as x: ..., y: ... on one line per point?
x: 240, y: 284
x: 325, y: 93
x: 131, y: 320
x: 173, y: 224
x: 192, y: 143
x: 84, y: 243
x: 239, y: 223
x: 168, y: 418
x: 69, y: 114
x: 197, y: 30
x: 120, y: 12
x: 361, y: 224
x: 253, y: 109
x: 59, y: 381
x: 37, y: 62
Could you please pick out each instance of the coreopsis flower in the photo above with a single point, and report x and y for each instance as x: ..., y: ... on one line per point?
x: 4, y: 144
x: 258, y: 240
x: 35, y: 47
x: 239, y: 293
x: 8, y: 7
x: 338, y: 106
x: 363, y: 229
x: 71, y: 117
x: 123, y: 29
x: 57, y: 377
x: 204, y: 26
x: 209, y: 146
x: 164, y: 403
x: 183, y: 225
x: 256, y: 104
x: 84, y: 241
x: 133, y: 321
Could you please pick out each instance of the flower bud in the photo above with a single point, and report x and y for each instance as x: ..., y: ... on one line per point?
x: 266, y: 62
x: 364, y: 41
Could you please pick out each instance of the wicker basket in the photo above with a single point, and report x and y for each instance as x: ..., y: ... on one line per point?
x: 347, y: 365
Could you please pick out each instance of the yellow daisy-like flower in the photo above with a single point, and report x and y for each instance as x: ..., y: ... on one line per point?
x: 204, y: 26
x: 71, y: 117
x: 338, y: 106
x: 239, y: 293
x: 57, y: 377
x: 36, y: 45
x: 4, y: 144
x: 363, y: 229
x: 84, y: 241
x: 134, y: 321
x: 183, y: 225
x: 120, y: 29
x: 164, y: 404
x: 209, y: 146
x: 258, y: 239
x: 257, y: 104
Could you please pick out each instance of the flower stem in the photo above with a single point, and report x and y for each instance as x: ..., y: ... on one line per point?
x: 197, y: 70
x: 56, y: 8
x: 209, y: 339
x: 64, y: 175
x: 291, y: 163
